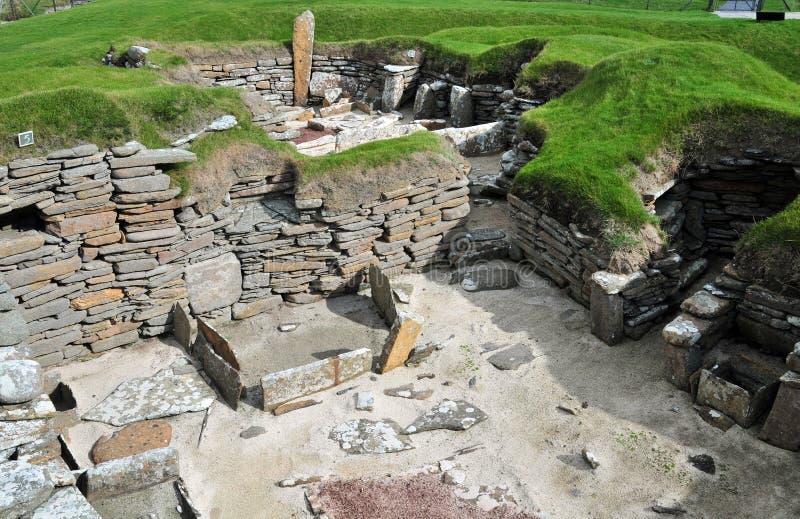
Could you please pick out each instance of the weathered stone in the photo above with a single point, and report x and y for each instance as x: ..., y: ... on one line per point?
x: 214, y: 283
x: 147, y: 398
x: 132, y: 439
x: 402, y: 336
x: 13, y: 243
x: 66, y: 503
x: 381, y: 291
x: 685, y: 331
x: 743, y: 406
x: 259, y: 306
x: 323, y: 81
x: 29, y: 276
x: 141, y: 184
x: 488, y: 277
x: 14, y: 327
x: 606, y: 309
x: 294, y: 406
x: 472, y: 141
x: 18, y: 432
x: 461, y: 114
x: 702, y: 304
x: 222, y: 123
x: 424, y: 102
x: 704, y: 463
x: 765, y: 335
x: 124, y: 475
x: 393, y: 87
x: 782, y: 427
x: 252, y: 432
x: 455, y: 415
x: 364, y: 401
x: 302, y: 50
x: 41, y: 407
x: 152, y: 157
x: 370, y: 437
x: 115, y: 341
x: 83, y: 224
x: 20, y: 381
x: 590, y: 458
x: 283, y: 386
x: 97, y: 298
x: 511, y: 358
x: 23, y: 487
x: 407, y: 391
x: 184, y: 326
x: 224, y: 375
x: 83, y: 150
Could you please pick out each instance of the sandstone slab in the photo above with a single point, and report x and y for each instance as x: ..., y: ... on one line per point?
x: 158, y: 396
x: 302, y: 50
x: 214, y: 283
x: 124, y: 475
x: 132, y: 439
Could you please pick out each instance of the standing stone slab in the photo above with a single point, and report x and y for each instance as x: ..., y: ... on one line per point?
x: 455, y: 415
x: 286, y: 385
x: 424, y: 102
x: 402, y: 336
x: 132, y: 473
x: 606, y: 314
x: 782, y: 427
x: 23, y: 487
x: 302, y: 50
x: 393, y: 86
x: 66, y: 503
x: 184, y: 326
x: 224, y: 375
x: 153, y: 397
x: 461, y: 107
x: 214, y: 283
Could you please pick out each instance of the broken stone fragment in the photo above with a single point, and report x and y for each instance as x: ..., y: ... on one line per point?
x: 370, y: 437
x: 41, y: 407
x: 364, y: 401
x: 455, y: 415
x: 226, y: 122
x: 64, y: 503
x: 132, y: 439
x: 294, y: 406
x: 704, y: 463
x: 511, y: 358
x: 20, y: 381
x: 590, y: 458
x: 668, y: 508
x: 124, y: 475
x: 302, y: 479
x: 252, y: 432
x: 407, y: 391
x: 402, y: 336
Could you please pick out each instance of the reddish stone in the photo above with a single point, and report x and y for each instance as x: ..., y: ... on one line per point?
x: 82, y: 224
x: 132, y: 439
x: 302, y: 50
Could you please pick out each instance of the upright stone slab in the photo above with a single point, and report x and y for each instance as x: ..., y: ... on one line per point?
x: 214, y: 283
x: 606, y: 312
x: 461, y: 107
x: 393, y: 86
x: 782, y: 427
x: 302, y: 49
x: 424, y: 102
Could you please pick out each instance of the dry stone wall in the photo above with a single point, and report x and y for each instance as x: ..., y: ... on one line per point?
x: 96, y: 250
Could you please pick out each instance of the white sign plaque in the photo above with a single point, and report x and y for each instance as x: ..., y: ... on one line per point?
x: 25, y: 139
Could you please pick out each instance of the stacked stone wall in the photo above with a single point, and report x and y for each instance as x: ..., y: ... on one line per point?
x: 274, y: 77
x: 113, y: 250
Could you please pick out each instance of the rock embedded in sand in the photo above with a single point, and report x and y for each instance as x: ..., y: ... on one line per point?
x: 590, y: 458
x: 370, y: 437
x: 455, y: 415
x: 252, y: 432
x: 407, y: 391
x: 511, y: 358
x: 364, y: 401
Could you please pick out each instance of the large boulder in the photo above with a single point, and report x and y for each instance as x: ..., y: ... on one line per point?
x: 214, y: 283
x: 20, y: 381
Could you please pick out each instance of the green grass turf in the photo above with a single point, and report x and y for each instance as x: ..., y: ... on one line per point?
x: 647, y: 75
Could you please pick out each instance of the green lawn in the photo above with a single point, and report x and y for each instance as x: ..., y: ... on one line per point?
x: 637, y: 79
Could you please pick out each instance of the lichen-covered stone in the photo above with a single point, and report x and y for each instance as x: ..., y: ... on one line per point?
x: 455, y: 415
x: 20, y: 381
x: 214, y: 283
x: 370, y: 437
x: 23, y: 487
x: 66, y: 503
x: 124, y: 475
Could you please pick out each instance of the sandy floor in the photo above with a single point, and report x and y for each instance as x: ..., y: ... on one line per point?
x: 640, y: 427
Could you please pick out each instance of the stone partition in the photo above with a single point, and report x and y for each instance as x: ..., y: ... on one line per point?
x: 96, y: 250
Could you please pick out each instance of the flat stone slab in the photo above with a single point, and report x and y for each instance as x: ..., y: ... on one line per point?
x: 492, y: 278
x: 454, y: 415
x: 23, y: 487
x: 370, y: 437
x: 511, y: 358
x: 132, y: 439
x: 66, y: 502
x: 158, y: 396
x: 41, y: 407
x: 17, y: 432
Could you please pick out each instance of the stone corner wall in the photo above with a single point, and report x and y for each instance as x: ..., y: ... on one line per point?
x: 96, y: 251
